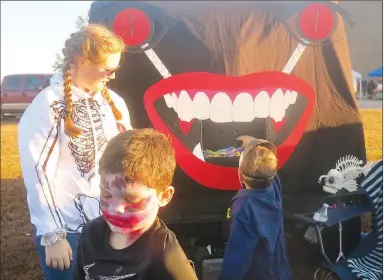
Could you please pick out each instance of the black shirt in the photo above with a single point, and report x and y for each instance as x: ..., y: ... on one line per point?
x: 156, y: 255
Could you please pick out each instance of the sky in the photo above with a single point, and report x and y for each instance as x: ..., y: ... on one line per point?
x: 32, y: 32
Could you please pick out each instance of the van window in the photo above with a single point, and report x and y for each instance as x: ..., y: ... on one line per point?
x: 46, y: 80
x: 12, y: 83
x: 32, y: 82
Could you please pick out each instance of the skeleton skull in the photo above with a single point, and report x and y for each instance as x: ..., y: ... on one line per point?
x: 333, y: 181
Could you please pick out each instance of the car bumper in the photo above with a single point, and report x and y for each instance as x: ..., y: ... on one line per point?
x: 13, y: 108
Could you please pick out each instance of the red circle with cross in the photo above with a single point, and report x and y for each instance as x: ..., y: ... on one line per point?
x: 316, y: 21
x: 133, y: 25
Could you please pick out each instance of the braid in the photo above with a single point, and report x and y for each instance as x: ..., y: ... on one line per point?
x: 115, y: 111
x: 70, y: 127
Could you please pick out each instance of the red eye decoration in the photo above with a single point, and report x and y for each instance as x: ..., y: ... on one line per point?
x: 134, y: 26
x: 316, y: 22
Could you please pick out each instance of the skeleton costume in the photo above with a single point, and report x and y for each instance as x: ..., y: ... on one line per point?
x: 60, y: 171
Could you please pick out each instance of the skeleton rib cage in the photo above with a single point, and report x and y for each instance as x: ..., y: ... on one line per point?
x: 83, y: 146
x: 350, y: 167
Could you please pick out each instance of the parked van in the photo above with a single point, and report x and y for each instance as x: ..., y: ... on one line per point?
x: 18, y: 91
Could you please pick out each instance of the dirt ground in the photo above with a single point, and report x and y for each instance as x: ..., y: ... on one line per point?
x: 18, y: 258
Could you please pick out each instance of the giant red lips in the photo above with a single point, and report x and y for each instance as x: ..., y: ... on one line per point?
x: 208, y: 174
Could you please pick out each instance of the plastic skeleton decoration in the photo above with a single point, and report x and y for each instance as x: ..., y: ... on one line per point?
x: 348, y: 169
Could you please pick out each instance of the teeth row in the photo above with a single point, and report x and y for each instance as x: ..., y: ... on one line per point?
x: 221, y: 109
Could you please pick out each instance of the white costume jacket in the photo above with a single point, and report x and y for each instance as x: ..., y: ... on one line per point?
x: 61, y: 172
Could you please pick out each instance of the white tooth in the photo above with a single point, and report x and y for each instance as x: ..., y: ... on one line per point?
x: 242, y: 108
x: 290, y: 98
x: 168, y: 100
x: 201, y: 106
x: 221, y: 108
x: 198, y: 152
x: 261, y: 105
x: 185, y: 107
x: 293, y: 97
x: 286, y: 98
x: 174, y: 100
x: 277, y: 106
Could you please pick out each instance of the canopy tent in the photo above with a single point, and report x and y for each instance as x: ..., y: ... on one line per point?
x: 376, y: 73
x: 357, y: 82
x: 356, y: 75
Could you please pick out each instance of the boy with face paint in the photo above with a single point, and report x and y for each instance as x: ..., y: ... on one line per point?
x: 129, y: 241
x: 256, y: 247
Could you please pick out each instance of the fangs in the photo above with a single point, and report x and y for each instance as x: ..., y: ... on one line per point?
x: 198, y: 152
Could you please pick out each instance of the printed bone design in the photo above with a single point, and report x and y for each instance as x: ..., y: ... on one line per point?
x: 58, y: 108
x: 88, y: 277
x: 83, y: 146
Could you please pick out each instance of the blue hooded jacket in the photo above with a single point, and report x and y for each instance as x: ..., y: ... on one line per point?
x: 256, y: 247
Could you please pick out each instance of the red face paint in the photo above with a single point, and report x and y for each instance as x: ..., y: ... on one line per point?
x: 128, y: 221
x: 128, y: 207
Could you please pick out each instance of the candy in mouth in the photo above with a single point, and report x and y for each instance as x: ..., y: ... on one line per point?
x: 226, y: 152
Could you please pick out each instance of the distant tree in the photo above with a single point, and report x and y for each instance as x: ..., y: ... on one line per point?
x: 81, y: 21
x: 58, y: 64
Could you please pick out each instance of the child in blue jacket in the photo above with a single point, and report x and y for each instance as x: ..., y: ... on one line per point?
x: 256, y: 247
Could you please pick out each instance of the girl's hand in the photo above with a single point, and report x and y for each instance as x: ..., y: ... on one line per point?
x: 59, y: 255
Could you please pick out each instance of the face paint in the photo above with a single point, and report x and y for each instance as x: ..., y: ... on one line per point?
x: 128, y: 207
x: 127, y: 221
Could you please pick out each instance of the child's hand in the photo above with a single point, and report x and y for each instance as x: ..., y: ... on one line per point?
x: 245, y: 139
x: 59, y: 255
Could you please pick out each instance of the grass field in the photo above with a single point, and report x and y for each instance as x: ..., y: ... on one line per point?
x: 373, y: 132
x: 18, y: 257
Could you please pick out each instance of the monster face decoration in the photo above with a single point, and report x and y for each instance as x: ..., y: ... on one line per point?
x: 205, y: 73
